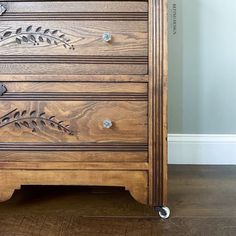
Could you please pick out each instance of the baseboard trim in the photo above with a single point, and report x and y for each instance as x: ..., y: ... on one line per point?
x: 202, y: 149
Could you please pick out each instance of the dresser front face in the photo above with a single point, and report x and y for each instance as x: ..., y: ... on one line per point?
x: 78, y: 83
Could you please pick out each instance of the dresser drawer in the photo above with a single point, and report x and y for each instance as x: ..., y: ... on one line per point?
x: 73, y: 112
x: 64, y: 38
x: 73, y: 121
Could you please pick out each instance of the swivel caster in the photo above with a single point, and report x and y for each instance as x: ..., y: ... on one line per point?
x: 164, y: 212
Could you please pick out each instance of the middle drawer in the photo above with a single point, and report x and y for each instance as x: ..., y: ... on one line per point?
x: 74, y: 112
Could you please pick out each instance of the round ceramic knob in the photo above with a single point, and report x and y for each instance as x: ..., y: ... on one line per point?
x: 107, y: 124
x: 106, y: 37
x: 3, y: 9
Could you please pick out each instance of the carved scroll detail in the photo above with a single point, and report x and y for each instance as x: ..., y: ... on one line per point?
x: 34, y: 121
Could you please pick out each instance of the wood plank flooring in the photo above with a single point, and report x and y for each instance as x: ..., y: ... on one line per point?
x: 202, y: 201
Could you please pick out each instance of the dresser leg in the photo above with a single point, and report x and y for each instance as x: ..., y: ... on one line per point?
x: 6, y: 192
x: 139, y: 193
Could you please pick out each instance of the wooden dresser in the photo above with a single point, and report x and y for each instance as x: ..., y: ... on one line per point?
x: 83, y: 96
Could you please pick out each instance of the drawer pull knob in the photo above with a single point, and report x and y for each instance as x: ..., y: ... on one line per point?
x: 106, y: 37
x: 107, y: 124
x: 3, y: 9
x: 3, y: 89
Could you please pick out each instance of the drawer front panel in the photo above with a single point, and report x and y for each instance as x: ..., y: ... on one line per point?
x: 70, y: 38
x: 62, y: 156
x: 75, y: 6
x: 37, y: 88
x: 73, y: 121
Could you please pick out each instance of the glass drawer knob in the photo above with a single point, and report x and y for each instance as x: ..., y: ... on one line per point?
x: 107, y: 124
x: 106, y: 37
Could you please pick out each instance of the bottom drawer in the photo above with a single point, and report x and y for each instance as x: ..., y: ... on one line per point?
x: 73, y: 121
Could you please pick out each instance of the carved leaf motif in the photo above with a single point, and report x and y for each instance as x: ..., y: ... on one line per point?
x: 25, y: 39
x: 5, y: 120
x: 32, y: 38
x: 38, y: 29
x: 28, y: 28
x: 7, y: 34
x: 17, y: 125
x: 19, y: 30
x: 26, y: 124
x: 33, y: 113
x: 23, y: 113
x: 46, y: 31
x: 17, y: 114
x: 34, y: 123
x: 41, y: 39
x: 36, y: 36
x: 42, y: 123
x: 49, y: 41
x: 18, y: 41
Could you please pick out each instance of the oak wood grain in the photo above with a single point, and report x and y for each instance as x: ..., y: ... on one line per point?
x: 73, y: 38
x: 85, y: 87
x: 73, y: 78
x: 134, y: 181
x: 85, y: 120
x: 29, y: 69
x: 158, y: 71
x: 64, y: 44
x: 73, y: 165
x: 77, y: 6
x: 78, y: 156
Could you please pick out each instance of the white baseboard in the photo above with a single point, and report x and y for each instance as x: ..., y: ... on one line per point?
x: 198, y: 149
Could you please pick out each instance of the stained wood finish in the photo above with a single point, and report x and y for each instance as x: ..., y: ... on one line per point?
x: 74, y: 91
x: 69, y: 68
x: 61, y: 81
x: 73, y: 166
x: 158, y: 70
x: 76, y: 122
x: 72, y: 156
x: 71, y: 88
x: 75, y: 78
x: 61, y: 38
x: 198, y: 208
x: 134, y: 181
x: 76, y: 6
x: 72, y: 38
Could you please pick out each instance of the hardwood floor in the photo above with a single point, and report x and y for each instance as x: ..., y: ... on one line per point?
x: 202, y: 201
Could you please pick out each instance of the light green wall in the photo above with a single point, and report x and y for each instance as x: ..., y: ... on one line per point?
x: 202, y: 67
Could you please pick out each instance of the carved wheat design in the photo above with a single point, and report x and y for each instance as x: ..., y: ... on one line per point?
x: 37, y: 36
x: 33, y: 121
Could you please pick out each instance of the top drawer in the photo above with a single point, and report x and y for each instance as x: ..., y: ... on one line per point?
x: 74, y: 28
x: 73, y: 37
